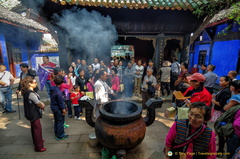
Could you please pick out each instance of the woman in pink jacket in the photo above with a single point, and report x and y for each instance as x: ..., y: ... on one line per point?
x: 191, y: 138
x: 115, y: 83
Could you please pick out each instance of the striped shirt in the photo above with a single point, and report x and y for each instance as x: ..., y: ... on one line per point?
x: 49, y: 66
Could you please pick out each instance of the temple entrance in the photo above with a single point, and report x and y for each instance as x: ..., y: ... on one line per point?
x: 172, y: 49
x: 144, y: 49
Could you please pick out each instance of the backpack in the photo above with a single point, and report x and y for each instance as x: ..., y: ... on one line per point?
x: 227, y: 117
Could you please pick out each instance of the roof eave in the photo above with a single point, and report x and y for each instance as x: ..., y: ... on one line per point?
x: 22, y: 26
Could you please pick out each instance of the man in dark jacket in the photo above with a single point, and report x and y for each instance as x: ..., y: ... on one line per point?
x: 58, y: 108
x: 25, y: 72
x: 148, y: 87
x: 150, y: 66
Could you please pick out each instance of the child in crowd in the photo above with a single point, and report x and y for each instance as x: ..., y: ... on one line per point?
x: 89, y: 85
x: 58, y: 108
x: 75, y: 95
x: 66, y: 87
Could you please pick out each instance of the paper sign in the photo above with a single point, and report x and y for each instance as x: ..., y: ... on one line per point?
x: 179, y: 95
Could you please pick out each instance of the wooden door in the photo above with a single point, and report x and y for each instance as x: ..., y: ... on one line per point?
x: 1, y: 56
x: 10, y: 60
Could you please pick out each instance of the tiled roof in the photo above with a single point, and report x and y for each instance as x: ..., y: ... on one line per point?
x: 9, y: 4
x: 16, y: 19
x: 155, y: 4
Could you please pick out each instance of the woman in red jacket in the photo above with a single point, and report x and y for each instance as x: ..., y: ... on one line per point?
x: 196, y: 91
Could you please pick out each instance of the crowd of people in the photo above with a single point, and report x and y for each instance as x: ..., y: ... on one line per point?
x: 188, y: 137
x: 141, y: 80
x: 121, y: 79
x: 125, y: 78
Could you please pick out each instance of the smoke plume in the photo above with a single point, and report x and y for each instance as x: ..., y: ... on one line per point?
x: 90, y: 33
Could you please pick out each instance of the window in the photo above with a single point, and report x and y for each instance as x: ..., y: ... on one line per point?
x: 17, y: 55
x: 238, y: 63
x: 202, y: 57
x: 191, y: 48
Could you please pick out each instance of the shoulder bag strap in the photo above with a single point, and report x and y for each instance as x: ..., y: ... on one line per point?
x: 2, y: 75
x: 192, y: 137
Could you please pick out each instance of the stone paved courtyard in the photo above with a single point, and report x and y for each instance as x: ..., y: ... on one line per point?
x: 16, y: 141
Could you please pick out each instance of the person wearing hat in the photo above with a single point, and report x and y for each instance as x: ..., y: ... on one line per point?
x: 25, y: 72
x: 6, y: 80
x: 165, y: 72
x: 197, y: 92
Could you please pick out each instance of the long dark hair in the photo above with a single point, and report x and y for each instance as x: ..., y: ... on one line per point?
x: 236, y: 85
x: 73, y: 73
x: 228, y: 79
x: 25, y: 84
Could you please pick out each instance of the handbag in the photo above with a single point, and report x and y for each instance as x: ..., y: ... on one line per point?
x: 223, y: 125
x: 183, y: 112
x: 227, y: 129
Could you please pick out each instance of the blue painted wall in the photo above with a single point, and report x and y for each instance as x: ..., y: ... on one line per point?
x: 220, y: 29
x: 19, y: 38
x: 225, y: 56
x: 200, y: 47
x: 4, y: 50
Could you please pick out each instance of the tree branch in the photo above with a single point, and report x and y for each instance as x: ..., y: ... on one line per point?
x: 200, y: 29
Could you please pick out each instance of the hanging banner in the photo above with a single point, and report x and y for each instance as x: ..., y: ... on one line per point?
x: 43, y: 75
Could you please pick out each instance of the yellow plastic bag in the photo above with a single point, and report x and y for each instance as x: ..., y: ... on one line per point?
x: 121, y: 87
x: 183, y: 112
x: 90, y: 95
